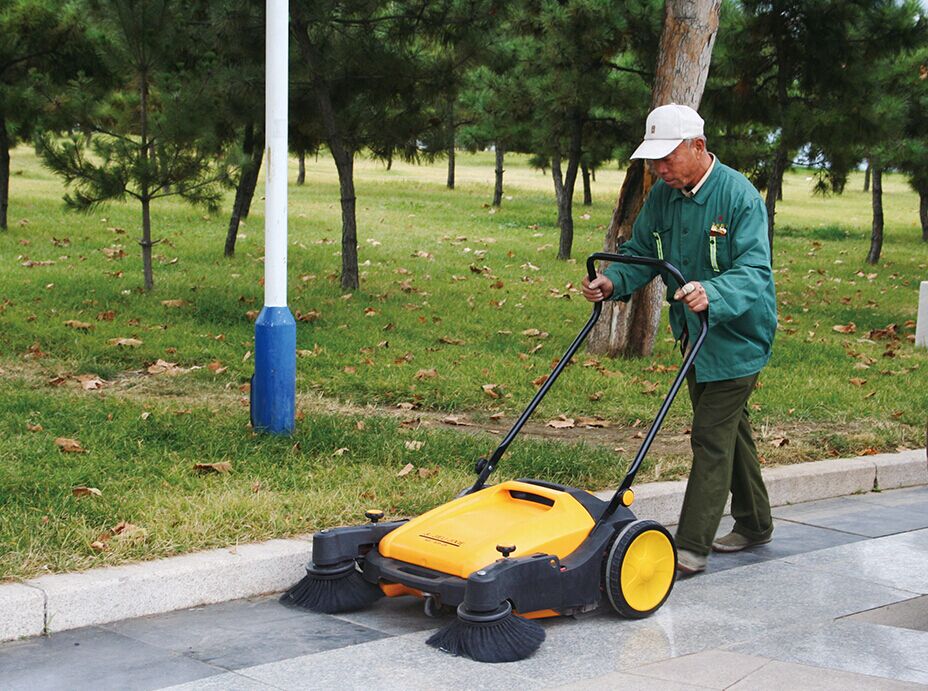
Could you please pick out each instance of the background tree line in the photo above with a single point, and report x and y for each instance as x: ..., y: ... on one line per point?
x: 140, y: 99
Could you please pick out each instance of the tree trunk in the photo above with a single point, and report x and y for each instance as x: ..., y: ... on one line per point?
x: 4, y: 173
x: 867, y: 177
x: 145, y: 152
x: 774, y: 187
x: 498, y: 188
x: 923, y: 211
x: 564, y: 187
x: 587, y: 192
x: 690, y: 27
x: 245, y: 190
x: 876, y: 234
x: 301, y: 172
x: 344, y: 158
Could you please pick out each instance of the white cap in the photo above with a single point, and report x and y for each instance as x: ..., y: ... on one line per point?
x: 665, y: 128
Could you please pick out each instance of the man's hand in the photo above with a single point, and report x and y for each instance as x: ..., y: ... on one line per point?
x: 693, y: 296
x: 597, y: 290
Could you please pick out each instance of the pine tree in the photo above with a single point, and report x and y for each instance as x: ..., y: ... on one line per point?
x: 155, y: 135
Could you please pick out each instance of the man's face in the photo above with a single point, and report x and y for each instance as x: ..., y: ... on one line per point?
x: 682, y: 167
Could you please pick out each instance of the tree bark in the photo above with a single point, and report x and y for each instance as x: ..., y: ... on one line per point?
x: 343, y: 155
x: 144, y: 197
x: 450, y: 182
x: 4, y: 173
x: 498, y: 188
x: 450, y: 125
x: 923, y: 211
x: 587, y: 192
x: 687, y: 39
x: 564, y: 187
x: 301, y: 172
x: 245, y: 190
x: 867, y: 177
x: 876, y: 233
x: 775, y: 187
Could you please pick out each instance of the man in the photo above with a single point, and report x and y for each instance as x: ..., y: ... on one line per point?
x: 710, y: 222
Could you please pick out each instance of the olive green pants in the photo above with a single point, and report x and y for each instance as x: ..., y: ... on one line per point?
x: 724, y: 459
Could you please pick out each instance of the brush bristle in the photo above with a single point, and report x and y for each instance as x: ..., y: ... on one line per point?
x: 508, y: 639
x: 332, y: 595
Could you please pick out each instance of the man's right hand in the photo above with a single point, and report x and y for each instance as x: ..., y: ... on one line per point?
x: 597, y: 290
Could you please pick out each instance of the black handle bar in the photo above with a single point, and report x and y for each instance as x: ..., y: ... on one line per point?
x: 486, y: 466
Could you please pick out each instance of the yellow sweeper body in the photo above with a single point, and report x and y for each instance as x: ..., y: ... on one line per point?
x: 461, y: 537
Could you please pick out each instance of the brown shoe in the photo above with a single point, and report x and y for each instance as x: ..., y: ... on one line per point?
x: 735, y: 542
x: 689, y: 563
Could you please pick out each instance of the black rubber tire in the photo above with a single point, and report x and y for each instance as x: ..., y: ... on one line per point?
x: 612, y: 577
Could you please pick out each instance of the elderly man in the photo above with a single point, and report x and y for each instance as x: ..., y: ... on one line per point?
x: 710, y: 222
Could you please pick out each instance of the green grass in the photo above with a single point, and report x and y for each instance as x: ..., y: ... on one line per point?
x: 423, y: 250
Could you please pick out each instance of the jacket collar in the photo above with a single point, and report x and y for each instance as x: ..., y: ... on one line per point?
x: 702, y: 194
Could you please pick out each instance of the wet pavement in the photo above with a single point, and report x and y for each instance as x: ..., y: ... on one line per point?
x: 836, y: 600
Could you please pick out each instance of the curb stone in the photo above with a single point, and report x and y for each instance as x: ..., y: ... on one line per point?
x: 66, y: 601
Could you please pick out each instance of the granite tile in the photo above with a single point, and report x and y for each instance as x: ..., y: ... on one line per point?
x: 897, y: 561
x: 245, y: 633
x: 716, y: 669
x: 229, y: 681
x: 788, y: 675
x: 908, y: 614
x: 632, y: 682
x: 95, y: 660
x: 850, y: 646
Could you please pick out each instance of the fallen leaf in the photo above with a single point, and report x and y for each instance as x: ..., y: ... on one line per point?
x: 90, y: 382
x: 540, y: 380
x: 407, y: 469
x: 593, y: 422
x: 414, y: 444
x: 341, y: 451
x: 535, y: 333
x: 496, y: 416
x: 427, y: 472
x: 173, y: 303
x: 128, y: 531
x: 98, y: 545
x: 455, y: 420
x: 426, y: 373
x: 597, y: 395
x: 66, y: 445
x: 490, y: 390
x: 220, y: 467
x: 82, y: 491
x: 360, y: 425
x: 856, y: 381
x: 451, y: 341
x: 79, y: 326
x: 164, y: 367
x: 845, y: 328
x: 405, y: 406
x: 34, y: 428
x: 125, y: 342
x: 779, y: 442
x: 561, y: 422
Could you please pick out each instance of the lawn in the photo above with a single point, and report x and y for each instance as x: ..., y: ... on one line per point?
x: 461, y: 309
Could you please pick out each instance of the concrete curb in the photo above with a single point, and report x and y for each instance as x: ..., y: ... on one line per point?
x: 67, y: 601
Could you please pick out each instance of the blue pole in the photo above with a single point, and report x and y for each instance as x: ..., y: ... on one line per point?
x: 273, y: 386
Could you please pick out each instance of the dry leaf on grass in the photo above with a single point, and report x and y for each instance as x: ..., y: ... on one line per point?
x: 427, y: 472
x: 857, y: 381
x: 779, y: 442
x: 845, y: 328
x: 593, y: 422
x: 125, y: 342
x: 80, y: 326
x: 540, y: 380
x: 490, y: 390
x: 220, y: 467
x: 407, y: 469
x: 164, y: 367
x: 426, y: 373
x: 340, y: 451
x: 173, y: 303
x: 66, y: 445
x: 455, y: 420
x: 82, y: 491
x: 451, y: 341
x: 414, y: 445
x: 561, y: 422
x: 90, y: 382
x: 34, y: 428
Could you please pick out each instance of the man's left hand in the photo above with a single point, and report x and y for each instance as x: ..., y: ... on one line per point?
x: 693, y: 295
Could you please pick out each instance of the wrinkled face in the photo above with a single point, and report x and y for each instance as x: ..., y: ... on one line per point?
x: 682, y: 167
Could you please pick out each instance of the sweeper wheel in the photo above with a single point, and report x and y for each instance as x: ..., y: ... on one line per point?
x: 640, y: 569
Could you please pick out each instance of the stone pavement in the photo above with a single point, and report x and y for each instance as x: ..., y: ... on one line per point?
x: 838, y: 600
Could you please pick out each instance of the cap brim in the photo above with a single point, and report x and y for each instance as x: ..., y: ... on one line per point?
x: 653, y: 149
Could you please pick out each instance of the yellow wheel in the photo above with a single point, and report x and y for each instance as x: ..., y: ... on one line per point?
x: 640, y: 569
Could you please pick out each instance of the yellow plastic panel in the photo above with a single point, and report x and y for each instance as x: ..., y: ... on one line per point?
x: 460, y: 537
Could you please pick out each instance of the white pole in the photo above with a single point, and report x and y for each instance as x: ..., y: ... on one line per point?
x: 275, y: 225
x: 273, y: 386
x: 921, y: 326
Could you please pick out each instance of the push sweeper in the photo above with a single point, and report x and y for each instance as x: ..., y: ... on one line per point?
x: 505, y: 555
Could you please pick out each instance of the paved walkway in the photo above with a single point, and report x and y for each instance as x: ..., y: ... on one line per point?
x: 838, y: 600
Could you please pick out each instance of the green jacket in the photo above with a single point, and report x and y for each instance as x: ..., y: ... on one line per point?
x: 719, y: 238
